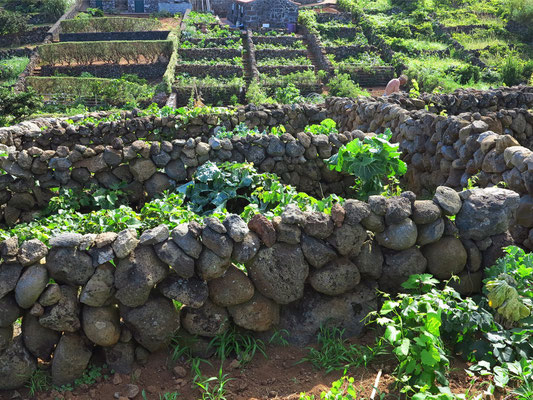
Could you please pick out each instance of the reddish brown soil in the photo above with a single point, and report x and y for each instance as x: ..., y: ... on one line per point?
x: 279, y: 376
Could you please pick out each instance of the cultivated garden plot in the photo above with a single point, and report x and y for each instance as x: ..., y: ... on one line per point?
x: 211, y: 63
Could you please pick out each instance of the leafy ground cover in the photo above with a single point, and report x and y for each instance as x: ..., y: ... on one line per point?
x: 11, y: 68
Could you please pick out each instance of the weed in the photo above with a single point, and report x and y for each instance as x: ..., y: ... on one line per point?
x: 40, y: 381
x: 213, y: 388
x: 278, y: 338
x: 334, y: 353
x: 243, y: 345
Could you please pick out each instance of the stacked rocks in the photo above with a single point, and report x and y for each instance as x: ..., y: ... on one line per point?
x: 119, y: 291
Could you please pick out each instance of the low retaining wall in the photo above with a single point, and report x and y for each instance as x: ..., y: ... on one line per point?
x: 201, y: 71
x: 284, y: 53
x: 284, y: 69
x: 115, y: 291
x: 197, y: 54
x: 368, y: 77
x: 9, y: 53
x: 102, y: 36
x: 146, y: 71
x: 36, y: 35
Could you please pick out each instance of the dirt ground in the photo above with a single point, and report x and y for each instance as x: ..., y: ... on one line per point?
x: 280, y: 377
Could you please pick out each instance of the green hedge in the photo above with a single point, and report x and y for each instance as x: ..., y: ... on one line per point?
x: 170, y: 75
x: 106, y: 51
x: 109, y: 24
x: 113, y: 91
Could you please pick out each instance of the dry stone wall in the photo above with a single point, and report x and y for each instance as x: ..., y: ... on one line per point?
x: 115, y: 291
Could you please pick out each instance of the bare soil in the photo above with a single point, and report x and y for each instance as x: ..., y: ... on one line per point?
x: 281, y: 376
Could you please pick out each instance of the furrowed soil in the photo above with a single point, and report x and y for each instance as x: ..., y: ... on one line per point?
x: 280, y: 376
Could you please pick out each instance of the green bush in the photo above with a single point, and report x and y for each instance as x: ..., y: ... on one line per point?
x: 307, y: 18
x: 343, y: 86
x: 511, y: 71
x: 288, y: 95
x: 407, y: 5
x: 15, y: 106
x: 12, y: 22
x: 520, y: 10
x: 109, y: 24
x: 468, y: 73
x: 256, y: 94
x: 109, y: 52
x: 54, y: 9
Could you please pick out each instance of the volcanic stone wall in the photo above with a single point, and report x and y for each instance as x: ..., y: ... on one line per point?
x: 115, y: 291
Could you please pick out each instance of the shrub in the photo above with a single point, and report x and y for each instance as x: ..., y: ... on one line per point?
x: 15, y: 106
x: 343, y: 86
x: 288, y: 95
x: 12, y: 22
x: 407, y: 5
x: 520, y: 10
x: 109, y: 24
x: 511, y: 71
x: 307, y: 18
x: 54, y: 9
x: 468, y: 73
x: 256, y: 94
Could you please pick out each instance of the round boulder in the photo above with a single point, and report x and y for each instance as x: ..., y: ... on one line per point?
x: 69, y: 265
x: 9, y: 310
x: 231, y: 289
x: 71, y: 357
x: 16, y: 365
x: 258, y: 314
x: 335, y: 278
x: 446, y: 257
x: 398, y: 236
x: 30, y: 285
x: 153, y: 323
x: 40, y: 341
x: 101, y: 325
x: 279, y: 272
x: 430, y: 233
x: 208, y: 320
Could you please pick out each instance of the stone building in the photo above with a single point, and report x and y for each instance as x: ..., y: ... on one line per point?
x: 263, y: 13
x: 106, y: 5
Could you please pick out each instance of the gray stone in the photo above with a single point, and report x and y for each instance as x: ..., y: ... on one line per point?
x: 125, y: 242
x: 316, y: 252
x: 448, y: 200
x: 524, y: 212
x: 6, y: 337
x: 9, y: 276
x: 16, y: 365
x: 120, y: 357
x: 9, y: 310
x: 348, y: 239
x: 218, y: 243
x: 71, y: 357
x: 247, y: 249
x: 136, y: 275
x: 191, y: 292
x: 39, y: 341
x: 374, y: 223
x: 430, y: 233
x: 356, y: 211
x: 99, y: 288
x: 398, y: 236
x: 400, y: 266
x: 474, y: 256
x: 369, y: 261
x: 486, y: 212
x: 105, y: 239
x: 30, y: 285
x: 209, y: 320
x: 318, y: 224
x: 292, y: 215
x: 215, y: 225
x: 142, y: 169
x: 157, y: 184
x: 378, y: 204
x: 211, y: 266
x: 445, y: 258
x: 176, y: 170
x: 63, y: 316
x: 101, y: 325
x: 153, y: 323
x: 69, y: 265
x: 233, y: 288
x: 304, y: 318
x: 337, y: 277
x: 153, y: 236
x: 66, y: 240
x: 398, y: 209
x: 172, y: 255
x: 31, y: 251
x: 286, y: 233
x: 51, y: 295
x: 279, y: 272
x: 258, y: 314
x: 236, y: 227
x: 9, y: 247
x: 101, y: 255
x: 425, y: 212
x: 186, y: 240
